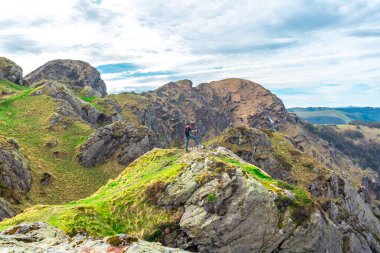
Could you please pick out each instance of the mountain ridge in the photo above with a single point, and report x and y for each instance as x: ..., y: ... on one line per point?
x: 77, y: 141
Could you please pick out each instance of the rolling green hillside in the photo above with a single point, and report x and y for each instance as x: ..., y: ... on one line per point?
x: 50, y: 151
x: 337, y: 116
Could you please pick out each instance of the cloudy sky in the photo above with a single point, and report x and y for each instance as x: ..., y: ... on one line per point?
x: 309, y: 53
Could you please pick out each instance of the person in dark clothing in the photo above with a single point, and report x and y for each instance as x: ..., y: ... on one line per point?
x: 188, y: 135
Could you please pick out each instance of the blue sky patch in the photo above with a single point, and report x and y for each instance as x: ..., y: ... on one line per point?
x: 117, y: 68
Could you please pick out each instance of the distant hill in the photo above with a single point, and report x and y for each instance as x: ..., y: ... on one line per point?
x: 339, y: 115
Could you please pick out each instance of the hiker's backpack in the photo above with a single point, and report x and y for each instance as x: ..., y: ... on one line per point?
x: 187, y: 130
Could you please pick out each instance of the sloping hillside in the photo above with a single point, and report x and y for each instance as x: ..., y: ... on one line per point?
x: 337, y: 116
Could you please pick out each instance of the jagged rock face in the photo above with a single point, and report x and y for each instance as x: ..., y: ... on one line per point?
x: 129, y: 141
x: 354, y: 217
x: 40, y: 238
x: 15, y: 177
x: 10, y: 71
x: 77, y: 75
x: 212, y: 107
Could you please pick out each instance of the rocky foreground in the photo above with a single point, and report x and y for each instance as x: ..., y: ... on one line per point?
x: 210, y: 200
x: 41, y: 238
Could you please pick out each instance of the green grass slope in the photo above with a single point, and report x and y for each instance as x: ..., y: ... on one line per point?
x: 26, y: 119
x: 119, y: 206
x: 124, y: 205
x: 7, y: 88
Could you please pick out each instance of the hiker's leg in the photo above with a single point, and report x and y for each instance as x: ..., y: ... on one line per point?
x: 187, y: 144
x: 197, y: 141
x: 195, y: 138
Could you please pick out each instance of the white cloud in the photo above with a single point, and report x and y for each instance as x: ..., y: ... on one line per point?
x: 281, y: 44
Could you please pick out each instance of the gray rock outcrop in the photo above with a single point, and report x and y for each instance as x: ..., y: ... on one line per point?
x: 77, y: 75
x: 125, y: 139
x: 229, y: 211
x: 10, y: 71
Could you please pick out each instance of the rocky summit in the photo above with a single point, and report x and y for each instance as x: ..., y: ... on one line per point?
x: 77, y: 75
x: 83, y: 171
x: 213, y: 107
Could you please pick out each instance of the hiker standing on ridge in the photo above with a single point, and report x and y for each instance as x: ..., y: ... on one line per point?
x: 188, y: 135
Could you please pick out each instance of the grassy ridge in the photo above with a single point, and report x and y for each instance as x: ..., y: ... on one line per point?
x: 119, y: 206
x: 125, y: 205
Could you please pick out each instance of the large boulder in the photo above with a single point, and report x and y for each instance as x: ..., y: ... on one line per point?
x: 126, y: 139
x: 10, y: 71
x: 77, y: 75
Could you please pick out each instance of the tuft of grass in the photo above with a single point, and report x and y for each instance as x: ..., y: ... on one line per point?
x: 211, y: 197
x: 93, y: 101
x: 251, y: 169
